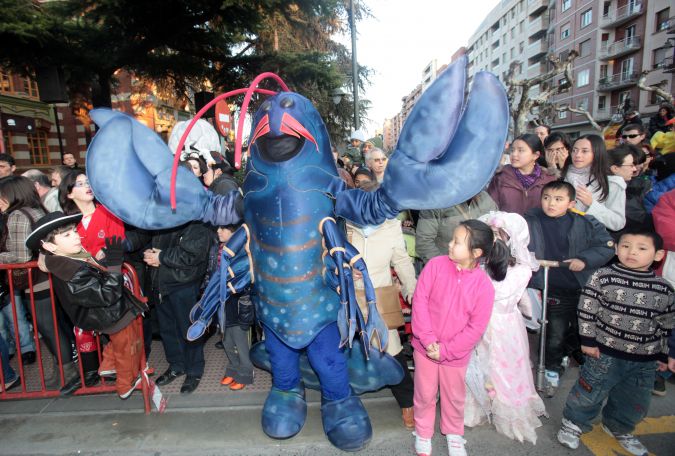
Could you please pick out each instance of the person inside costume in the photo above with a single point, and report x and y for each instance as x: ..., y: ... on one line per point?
x: 93, y: 293
x: 499, y: 381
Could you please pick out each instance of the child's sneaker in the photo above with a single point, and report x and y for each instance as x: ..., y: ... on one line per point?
x: 134, y: 384
x: 569, y: 434
x: 456, y: 445
x: 552, y: 383
x: 659, y: 386
x: 628, y: 442
x: 422, y: 446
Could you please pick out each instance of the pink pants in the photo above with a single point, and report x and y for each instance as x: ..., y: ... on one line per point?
x: 429, y: 376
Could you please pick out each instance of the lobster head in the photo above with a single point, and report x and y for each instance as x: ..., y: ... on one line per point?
x: 288, y: 131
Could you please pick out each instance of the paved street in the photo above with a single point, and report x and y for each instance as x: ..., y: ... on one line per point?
x: 214, y: 421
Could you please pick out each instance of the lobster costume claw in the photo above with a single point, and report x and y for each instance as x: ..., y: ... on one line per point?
x: 129, y: 167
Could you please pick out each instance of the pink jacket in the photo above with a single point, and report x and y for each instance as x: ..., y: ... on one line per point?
x: 451, y: 306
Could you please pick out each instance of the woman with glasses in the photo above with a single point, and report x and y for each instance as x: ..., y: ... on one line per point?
x: 376, y: 161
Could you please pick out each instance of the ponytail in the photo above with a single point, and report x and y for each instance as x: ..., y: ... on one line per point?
x: 496, y: 254
x: 497, y: 261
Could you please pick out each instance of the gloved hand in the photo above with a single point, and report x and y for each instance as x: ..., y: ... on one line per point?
x: 114, y: 252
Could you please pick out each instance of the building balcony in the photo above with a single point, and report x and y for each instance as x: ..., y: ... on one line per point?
x: 670, y: 26
x: 667, y: 65
x: 538, y: 27
x: 619, y: 48
x: 535, y: 70
x: 537, y: 49
x: 621, y: 15
x: 617, y: 81
x: 536, y: 6
x: 605, y: 113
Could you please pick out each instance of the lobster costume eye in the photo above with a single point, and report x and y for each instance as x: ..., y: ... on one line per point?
x: 287, y: 102
x: 266, y: 106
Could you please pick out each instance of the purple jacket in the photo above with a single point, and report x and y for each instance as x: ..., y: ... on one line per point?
x: 509, y: 194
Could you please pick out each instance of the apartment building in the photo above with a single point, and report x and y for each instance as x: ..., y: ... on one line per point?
x: 514, y: 31
x: 617, y: 40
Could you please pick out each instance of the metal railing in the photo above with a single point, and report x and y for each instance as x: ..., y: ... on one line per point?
x: 28, y: 375
x: 621, y: 15
x: 618, y: 80
x: 620, y: 47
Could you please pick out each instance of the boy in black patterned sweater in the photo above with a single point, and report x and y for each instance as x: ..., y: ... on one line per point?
x: 625, y: 315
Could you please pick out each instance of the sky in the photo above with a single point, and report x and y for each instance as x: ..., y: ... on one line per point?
x: 402, y: 37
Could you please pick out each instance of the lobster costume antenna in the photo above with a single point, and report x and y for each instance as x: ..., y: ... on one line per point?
x: 240, y: 127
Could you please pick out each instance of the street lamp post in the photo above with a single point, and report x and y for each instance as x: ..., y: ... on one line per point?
x: 355, y: 66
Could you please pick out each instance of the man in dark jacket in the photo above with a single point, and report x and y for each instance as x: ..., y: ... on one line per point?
x: 178, y: 260
x: 581, y: 244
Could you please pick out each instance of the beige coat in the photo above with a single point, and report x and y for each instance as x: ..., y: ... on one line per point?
x: 382, y: 249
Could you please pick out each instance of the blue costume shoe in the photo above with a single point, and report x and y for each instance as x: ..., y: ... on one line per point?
x: 284, y: 412
x: 346, y: 423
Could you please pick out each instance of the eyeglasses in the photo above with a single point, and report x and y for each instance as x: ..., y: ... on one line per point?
x: 82, y: 184
x: 630, y: 136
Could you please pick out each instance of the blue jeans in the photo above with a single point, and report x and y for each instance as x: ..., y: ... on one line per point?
x: 7, y: 326
x: 7, y: 371
x: 625, y: 385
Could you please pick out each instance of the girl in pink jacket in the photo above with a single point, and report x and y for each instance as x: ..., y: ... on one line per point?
x: 452, y: 305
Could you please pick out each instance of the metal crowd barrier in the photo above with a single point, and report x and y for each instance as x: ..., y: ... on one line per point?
x: 131, y: 281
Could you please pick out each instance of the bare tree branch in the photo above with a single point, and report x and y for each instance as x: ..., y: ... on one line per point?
x: 578, y: 110
x: 525, y: 104
x: 656, y: 88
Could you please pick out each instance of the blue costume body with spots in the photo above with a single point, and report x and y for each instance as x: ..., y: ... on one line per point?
x: 290, y: 251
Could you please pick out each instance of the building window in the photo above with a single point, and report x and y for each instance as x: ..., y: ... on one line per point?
x: 521, y: 26
x: 603, y: 71
x: 627, y: 68
x: 38, y: 147
x: 562, y: 114
x: 586, y: 18
x: 30, y: 87
x: 513, y: 52
x: 583, y: 104
x: 563, y: 85
x: 7, y: 141
x: 659, y: 56
x: 655, y: 99
x: 521, y: 47
x: 585, y: 48
x: 565, y: 31
x: 583, y: 77
x: 602, y: 102
x: 662, y: 17
x: 5, y: 82
x: 565, y: 5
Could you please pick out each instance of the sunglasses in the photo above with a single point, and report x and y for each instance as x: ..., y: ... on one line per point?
x: 629, y: 136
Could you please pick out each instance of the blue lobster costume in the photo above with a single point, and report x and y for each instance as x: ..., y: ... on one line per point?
x: 290, y: 251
